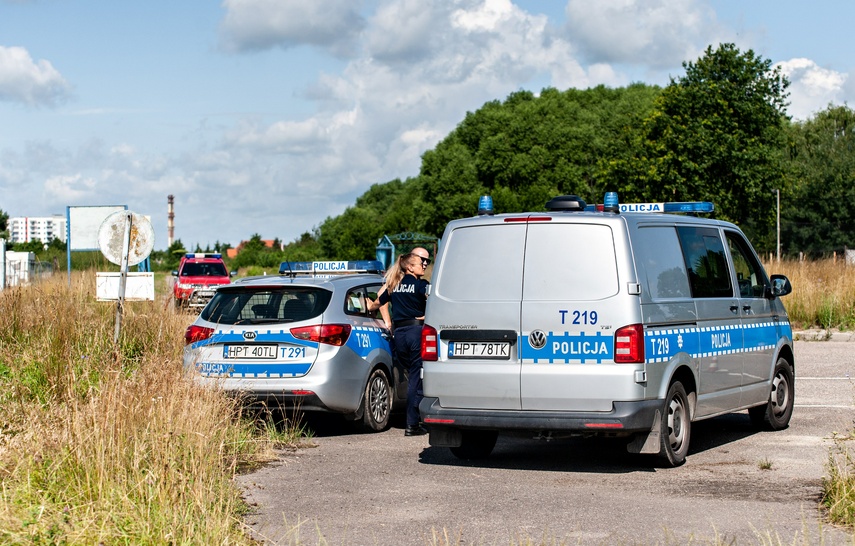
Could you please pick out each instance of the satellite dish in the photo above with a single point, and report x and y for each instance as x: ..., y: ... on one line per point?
x: 111, y: 236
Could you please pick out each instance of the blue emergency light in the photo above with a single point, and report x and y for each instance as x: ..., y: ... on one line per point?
x: 485, y: 205
x: 612, y: 204
x: 326, y: 268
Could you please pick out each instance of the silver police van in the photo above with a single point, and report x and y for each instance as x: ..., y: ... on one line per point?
x: 614, y: 319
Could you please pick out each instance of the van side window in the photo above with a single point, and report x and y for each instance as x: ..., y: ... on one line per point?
x: 660, y: 256
x: 703, y: 252
x: 750, y: 276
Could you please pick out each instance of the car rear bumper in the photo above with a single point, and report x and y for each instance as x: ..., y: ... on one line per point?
x: 625, y: 417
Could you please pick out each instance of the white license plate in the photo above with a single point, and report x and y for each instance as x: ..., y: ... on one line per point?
x: 479, y: 349
x: 251, y: 352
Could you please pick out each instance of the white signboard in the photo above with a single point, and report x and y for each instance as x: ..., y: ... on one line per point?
x: 84, y: 223
x: 139, y: 286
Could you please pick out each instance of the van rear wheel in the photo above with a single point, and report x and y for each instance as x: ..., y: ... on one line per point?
x: 475, y: 444
x: 776, y: 412
x: 675, y: 426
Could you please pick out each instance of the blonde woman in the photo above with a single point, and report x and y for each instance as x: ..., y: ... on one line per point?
x: 407, y: 292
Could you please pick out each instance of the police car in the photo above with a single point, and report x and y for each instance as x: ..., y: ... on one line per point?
x: 303, y: 339
x: 616, y: 319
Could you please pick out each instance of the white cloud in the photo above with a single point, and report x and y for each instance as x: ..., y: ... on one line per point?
x: 812, y: 87
x: 32, y: 83
x: 263, y: 24
x: 68, y: 188
x: 656, y: 33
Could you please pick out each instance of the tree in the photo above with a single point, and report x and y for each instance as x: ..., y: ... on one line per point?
x: 4, y: 225
x: 817, y: 217
x: 715, y: 134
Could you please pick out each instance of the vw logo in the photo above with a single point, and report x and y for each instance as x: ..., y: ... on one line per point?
x: 537, y: 339
x: 249, y: 335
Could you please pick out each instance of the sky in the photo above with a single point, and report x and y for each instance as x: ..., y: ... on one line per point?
x: 269, y: 116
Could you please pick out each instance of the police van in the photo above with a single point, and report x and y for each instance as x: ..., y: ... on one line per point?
x: 613, y: 319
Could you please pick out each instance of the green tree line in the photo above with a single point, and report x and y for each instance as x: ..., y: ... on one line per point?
x: 720, y: 132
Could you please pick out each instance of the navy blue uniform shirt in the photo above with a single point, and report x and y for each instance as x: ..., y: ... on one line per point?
x: 408, y: 299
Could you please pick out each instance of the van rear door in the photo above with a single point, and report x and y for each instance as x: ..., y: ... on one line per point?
x: 475, y: 307
x: 569, y: 311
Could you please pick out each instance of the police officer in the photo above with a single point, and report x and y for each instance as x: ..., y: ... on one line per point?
x: 407, y: 292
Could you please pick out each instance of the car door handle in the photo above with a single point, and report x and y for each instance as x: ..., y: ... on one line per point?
x: 734, y: 308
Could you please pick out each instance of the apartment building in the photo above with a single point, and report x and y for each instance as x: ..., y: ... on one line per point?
x: 23, y: 229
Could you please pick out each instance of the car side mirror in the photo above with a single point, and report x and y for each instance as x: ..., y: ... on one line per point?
x: 780, y: 287
x: 174, y: 272
x: 232, y: 273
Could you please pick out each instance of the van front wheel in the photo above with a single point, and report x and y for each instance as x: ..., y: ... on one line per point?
x: 675, y: 426
x: 776, y: 412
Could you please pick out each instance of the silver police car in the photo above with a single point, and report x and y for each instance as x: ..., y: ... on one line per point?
x: 301, y: 340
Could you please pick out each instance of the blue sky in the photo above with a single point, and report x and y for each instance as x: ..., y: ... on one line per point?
x: 268, y: 116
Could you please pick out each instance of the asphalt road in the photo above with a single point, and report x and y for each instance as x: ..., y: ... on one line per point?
x: 738, y: 486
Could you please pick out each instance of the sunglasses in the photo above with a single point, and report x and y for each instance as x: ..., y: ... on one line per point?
x: 425, y: 261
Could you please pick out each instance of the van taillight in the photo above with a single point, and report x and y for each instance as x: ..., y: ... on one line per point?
x: 430, y: 346
x: 629, y: 344
x: 196, y: 333
x: 330, y: 334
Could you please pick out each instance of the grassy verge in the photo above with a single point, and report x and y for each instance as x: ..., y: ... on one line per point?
x: 104, y: 444
x: 823, y: 292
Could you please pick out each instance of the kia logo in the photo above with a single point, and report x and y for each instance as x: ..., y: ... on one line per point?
x: 249, y: 335
x: 537, y: 339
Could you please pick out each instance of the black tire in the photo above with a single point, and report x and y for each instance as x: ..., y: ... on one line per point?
x: 377, y: 402
x: 775, y: 414
x: 476, y: 444
x: 675, y: 426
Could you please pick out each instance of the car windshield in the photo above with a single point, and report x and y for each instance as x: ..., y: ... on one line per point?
x: 266, y: 305
x: 213, y: 269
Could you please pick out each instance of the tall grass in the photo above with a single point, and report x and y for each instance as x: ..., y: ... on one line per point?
x: 112, y: 445
x: 823, y: 292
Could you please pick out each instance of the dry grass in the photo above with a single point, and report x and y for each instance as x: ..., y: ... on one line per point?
x: 823, y: 292
x: 104, y: 444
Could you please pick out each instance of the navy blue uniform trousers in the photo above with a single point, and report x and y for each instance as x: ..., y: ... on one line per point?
x: 408, y: 349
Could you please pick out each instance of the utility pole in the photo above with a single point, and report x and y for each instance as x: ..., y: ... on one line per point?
x: 778, y: 245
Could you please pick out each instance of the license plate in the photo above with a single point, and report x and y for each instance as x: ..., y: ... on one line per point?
x: 479, y: 349
x: 251, y: 352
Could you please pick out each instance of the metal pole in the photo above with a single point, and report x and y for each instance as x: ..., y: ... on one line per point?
x: 2, y: 264
x: 778, y: 245
x: 123, y: 276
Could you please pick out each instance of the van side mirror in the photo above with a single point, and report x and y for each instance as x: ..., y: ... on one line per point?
x: 174, y: 272
x: 232, y: 273
x: 780, y: 287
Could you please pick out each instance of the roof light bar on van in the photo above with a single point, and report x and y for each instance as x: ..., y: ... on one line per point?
x: 328, y: 268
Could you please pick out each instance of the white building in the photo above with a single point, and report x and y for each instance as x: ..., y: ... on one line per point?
x: 23, y: 229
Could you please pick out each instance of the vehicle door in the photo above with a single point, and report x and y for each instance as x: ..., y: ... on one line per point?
x: 569, y: 280
x: 759, y: 316
x: 720, y: 339
x: 475, y: 307
x: 369, y: 338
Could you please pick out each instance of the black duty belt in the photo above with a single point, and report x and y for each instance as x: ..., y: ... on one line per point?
x: 411, y: 322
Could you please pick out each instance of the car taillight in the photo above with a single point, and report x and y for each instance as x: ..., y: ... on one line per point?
x: 629, y: 344
x: 430, y: 346
x: 196, y: 333
x: 330, y: 334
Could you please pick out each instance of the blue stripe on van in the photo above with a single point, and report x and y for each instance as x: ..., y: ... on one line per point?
x: 659, y: 345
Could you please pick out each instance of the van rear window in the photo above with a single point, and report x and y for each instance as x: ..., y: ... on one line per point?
x: 569, y: 262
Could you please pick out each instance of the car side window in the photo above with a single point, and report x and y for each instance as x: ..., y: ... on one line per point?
x: 703, y: 252
x: 750, y: 276
x: 659, y: 254
x: 355, y: 302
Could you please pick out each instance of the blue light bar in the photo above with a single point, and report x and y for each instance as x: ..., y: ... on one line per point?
x: 330, y: 267
x: 690, y: 206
